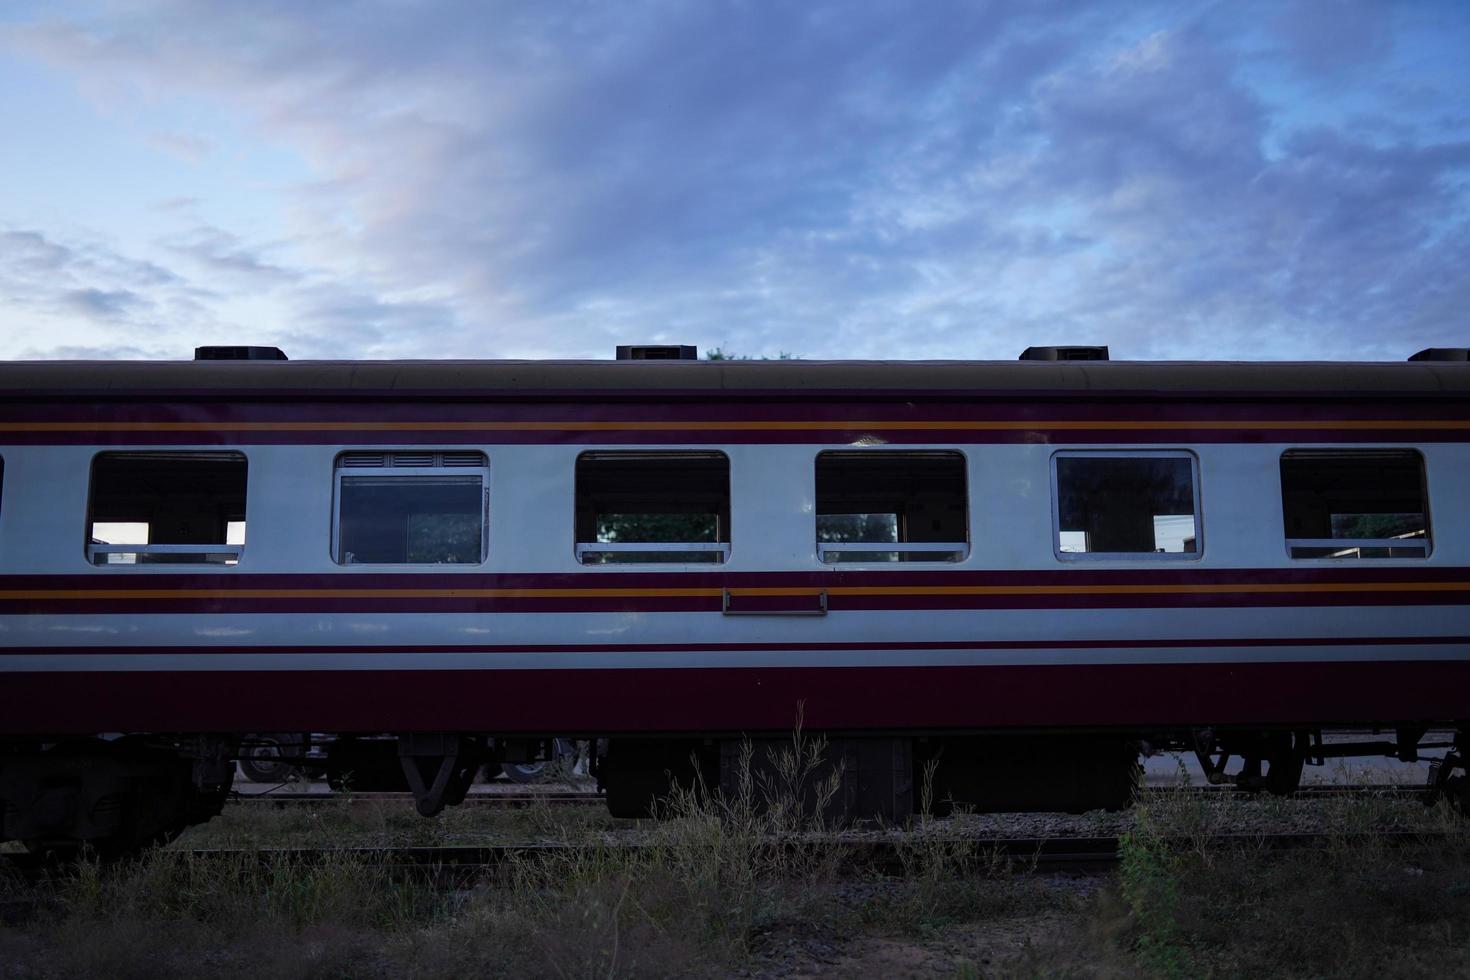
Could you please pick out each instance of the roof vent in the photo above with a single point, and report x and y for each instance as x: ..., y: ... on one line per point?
x: 1442, y: 354
x: 239, y: 354
x: 1064, y: 354
x: 667, y: 352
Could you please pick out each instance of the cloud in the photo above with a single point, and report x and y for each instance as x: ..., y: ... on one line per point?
x: 103, y: 304
x: 493, y: 179
x: 177, y: 204
x: 1328, y: 38
x: 73, y: 352
x: 375, y: 327
x: 68, y: 298
x: 183, y: 145
x: 87, y: 276
x: 227, y: 256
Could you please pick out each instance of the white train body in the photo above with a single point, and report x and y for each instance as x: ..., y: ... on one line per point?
x: 1250, y: 625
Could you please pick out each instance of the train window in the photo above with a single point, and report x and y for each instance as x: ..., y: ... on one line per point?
x: 166, y: 508
x: 652, y: 507
x: 1126, y: 504
x: 418, y: 507
x: 1354, y: 504
x: 891, y: 506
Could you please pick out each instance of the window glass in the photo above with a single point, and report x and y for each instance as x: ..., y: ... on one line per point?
x: 872, y: 504
x: 166, y: 508
x: 1126, y: 504
x: 419, y: 508
x: 652, y: 507
x: 1355, y: 504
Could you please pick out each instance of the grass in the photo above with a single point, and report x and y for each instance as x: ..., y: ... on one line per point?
x: 347, y: 822
x: 739, y: 884
x: 1358, y: 906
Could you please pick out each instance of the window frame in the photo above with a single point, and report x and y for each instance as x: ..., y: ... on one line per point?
x: 724, y: 545
x: 966, y: 548
x: 1072, y: 557
x: 409, y: 472
x: 1289, y: 542
x: 90, y: 551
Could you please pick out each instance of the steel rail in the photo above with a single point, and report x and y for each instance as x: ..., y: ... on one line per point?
x: 894, y: 855
x: 529, y: 798
x: 572, y: 797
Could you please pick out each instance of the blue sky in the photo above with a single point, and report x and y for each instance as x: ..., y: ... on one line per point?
x: 890, y: 180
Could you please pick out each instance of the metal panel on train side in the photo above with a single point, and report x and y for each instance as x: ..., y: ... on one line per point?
x: 534, y: 641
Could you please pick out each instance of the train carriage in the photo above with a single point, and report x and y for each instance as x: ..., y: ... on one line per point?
x: 1018, y: 571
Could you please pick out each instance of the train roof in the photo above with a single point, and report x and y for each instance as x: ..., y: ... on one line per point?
x: 514, y: 378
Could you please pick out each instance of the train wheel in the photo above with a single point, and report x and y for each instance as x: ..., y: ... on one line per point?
x: 535, y: 772
x: 524, y: 772
x: 261, y: 762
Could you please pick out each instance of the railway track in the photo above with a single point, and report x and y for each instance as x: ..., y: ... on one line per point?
x: 891, y: 855
x: 1322, y: 791
x: 461, y: 864
x: 589, y: 797
x: 526, y: 798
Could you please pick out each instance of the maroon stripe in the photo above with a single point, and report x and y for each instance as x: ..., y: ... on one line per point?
x: 657, y: 604
x: 589, y: 648
x: 821, y: 411
x: 226, y: 603
x: 82, y: 400
x: 831, y: 418
x: 1136, y: 696
x: 705, y: 437
x: 1183, y: 573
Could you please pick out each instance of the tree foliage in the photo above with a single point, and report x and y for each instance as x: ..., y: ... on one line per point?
x: 720, y: 354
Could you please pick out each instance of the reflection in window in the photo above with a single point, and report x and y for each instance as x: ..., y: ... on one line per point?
x: 413, y: 508
x: 1126, y: 504
x: 1354, y: 504
x: 166, y: 508
x: 891, y: 506
x: 652, y: 507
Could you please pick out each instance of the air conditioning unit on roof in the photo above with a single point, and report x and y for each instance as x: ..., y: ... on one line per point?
x: 1064, y: 354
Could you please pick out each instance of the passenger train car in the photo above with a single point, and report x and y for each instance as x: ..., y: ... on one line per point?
x: 1007, y: 577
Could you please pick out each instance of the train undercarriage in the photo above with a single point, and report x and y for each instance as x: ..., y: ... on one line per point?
x: 112, y: 795
x: 115, y: 795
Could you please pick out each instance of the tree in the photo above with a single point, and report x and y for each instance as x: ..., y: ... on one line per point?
x: 720, y: 354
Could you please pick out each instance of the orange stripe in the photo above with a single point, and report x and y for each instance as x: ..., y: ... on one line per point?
x: 709, y: 593
x: 729, y: 426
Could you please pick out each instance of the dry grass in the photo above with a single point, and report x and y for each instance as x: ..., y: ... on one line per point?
x: 1356, y: 906
x: 742, y: 885
x: 720, y: 884
x: 348, y: 822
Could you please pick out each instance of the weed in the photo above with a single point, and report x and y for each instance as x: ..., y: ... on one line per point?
x: 748, y: 881
x: 1150, y: 882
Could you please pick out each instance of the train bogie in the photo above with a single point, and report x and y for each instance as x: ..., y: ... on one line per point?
x: 110, y: 796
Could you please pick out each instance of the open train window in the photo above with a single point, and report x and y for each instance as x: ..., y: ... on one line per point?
x: 411, y: 507
x: 1126, y: 505
x: 1354, y: 504
x: 891, y: 506
x: 152, y: 508
x: 652, y: 507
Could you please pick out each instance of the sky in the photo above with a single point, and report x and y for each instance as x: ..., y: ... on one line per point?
x: 395, y: 179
